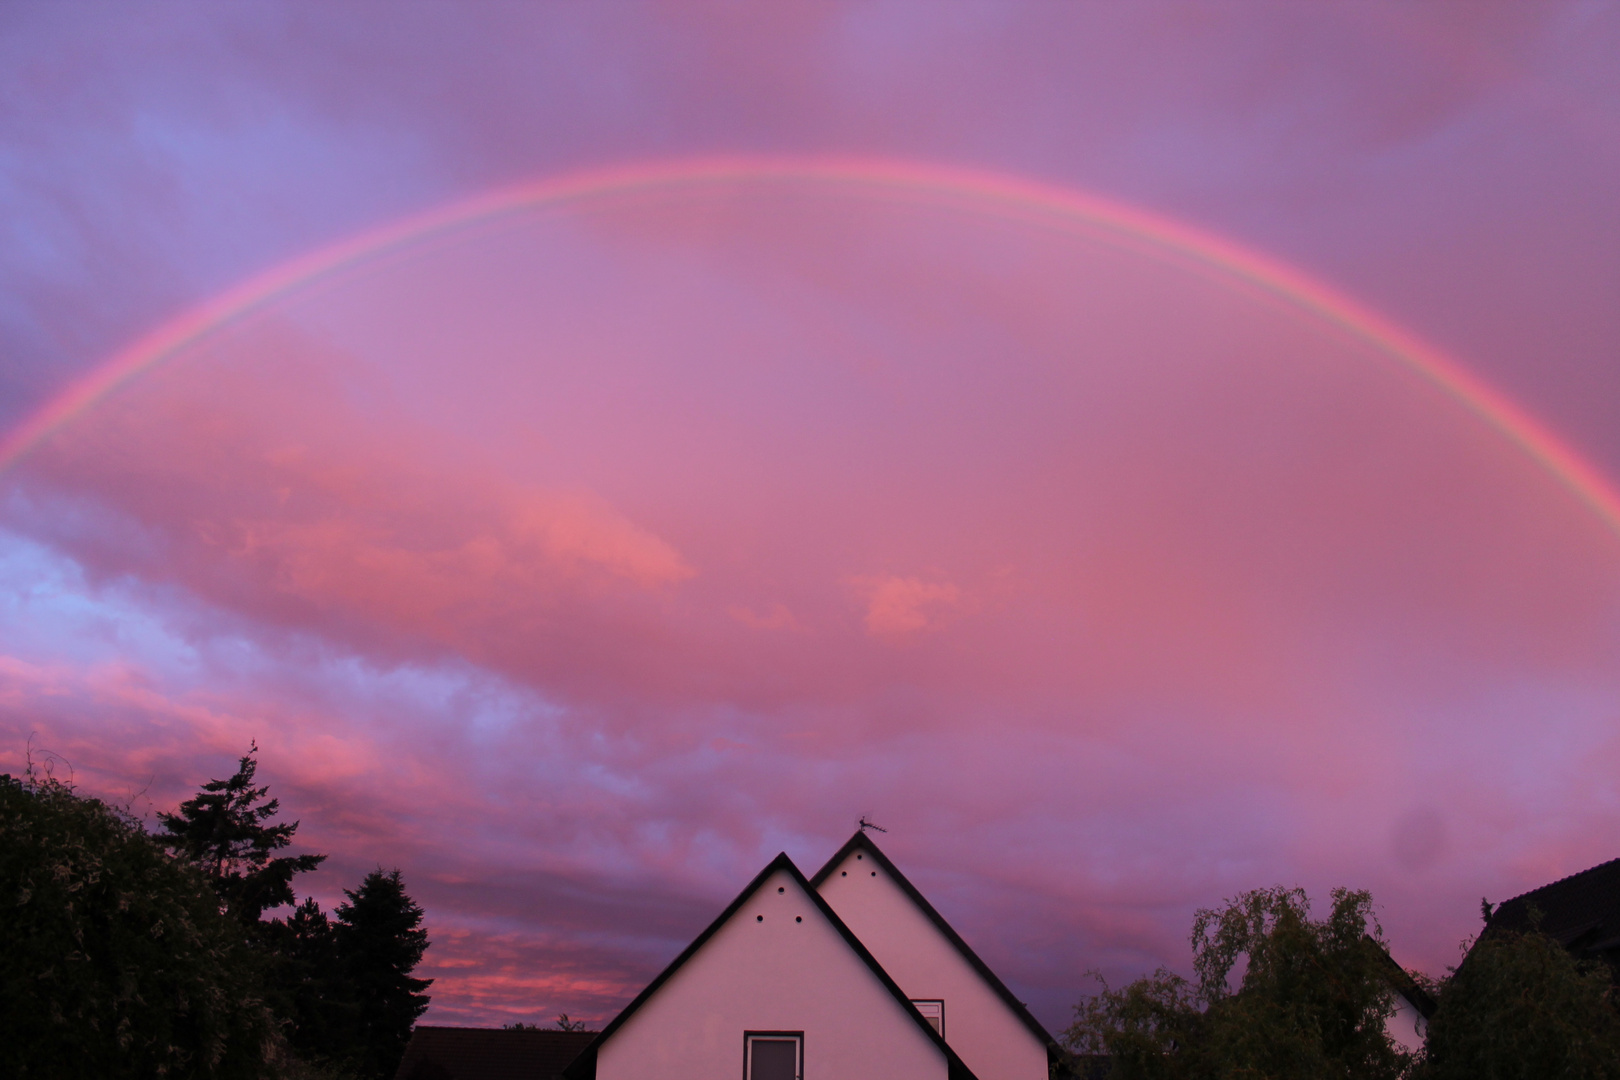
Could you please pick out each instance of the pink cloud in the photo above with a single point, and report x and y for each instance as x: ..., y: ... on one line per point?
x: 899, y: 606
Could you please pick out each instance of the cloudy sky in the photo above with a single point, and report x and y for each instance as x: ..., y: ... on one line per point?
x: 1132, y: 453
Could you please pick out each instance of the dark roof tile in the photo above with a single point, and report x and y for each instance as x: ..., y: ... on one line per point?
x: 458, y: 1053
x: 1582, y: 911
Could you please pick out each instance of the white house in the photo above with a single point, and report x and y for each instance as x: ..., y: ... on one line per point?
x: 781, y: 985
x: 981, y: 1020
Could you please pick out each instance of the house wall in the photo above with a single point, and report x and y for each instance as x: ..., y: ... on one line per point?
x: 987, y: 1035
x: 1406, y: 1026
x: 775, y: 975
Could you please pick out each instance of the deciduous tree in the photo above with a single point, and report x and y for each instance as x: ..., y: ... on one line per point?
x: 1311, y: 999
x: 1520, y: 1007
x: 115, y: 959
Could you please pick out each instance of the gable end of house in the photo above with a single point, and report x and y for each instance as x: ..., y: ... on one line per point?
x: 584, y: 1066
x: 863, y: 844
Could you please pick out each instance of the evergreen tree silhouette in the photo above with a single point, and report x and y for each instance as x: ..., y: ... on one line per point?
x: 381, y: 940
x: 225, y: 831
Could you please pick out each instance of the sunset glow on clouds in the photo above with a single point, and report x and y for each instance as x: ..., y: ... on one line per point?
x: 579, y: 557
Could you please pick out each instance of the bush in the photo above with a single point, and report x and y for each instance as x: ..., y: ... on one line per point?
x: 117, y: 960
x: 1520, y: 1007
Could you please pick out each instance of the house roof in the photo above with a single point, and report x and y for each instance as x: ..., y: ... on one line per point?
x: 584, y: 1066
x: 458, y: 1053
x: 863, y: 843
x: 1581, y: 912
x: 1401, y: 981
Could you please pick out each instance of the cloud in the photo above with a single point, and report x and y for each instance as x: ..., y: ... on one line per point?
x: 899, y: 606
x: 260, y: 489
x: 527, y: 543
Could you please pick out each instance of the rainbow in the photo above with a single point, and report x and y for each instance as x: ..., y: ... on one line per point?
x: 994, y: 193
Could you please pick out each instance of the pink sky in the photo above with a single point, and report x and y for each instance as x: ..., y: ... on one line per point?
x: 577, y: 563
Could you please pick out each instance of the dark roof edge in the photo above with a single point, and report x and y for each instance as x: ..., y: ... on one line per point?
x: 584, y: 1066
x: 577, y: 1068
x: 863, y: 842
x: 958, y: 1070
x: 470, y: 1027
x: 1402, y: 982
x: 1561, y: 881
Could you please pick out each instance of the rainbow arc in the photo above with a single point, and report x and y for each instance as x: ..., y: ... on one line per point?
x: 995, y: 193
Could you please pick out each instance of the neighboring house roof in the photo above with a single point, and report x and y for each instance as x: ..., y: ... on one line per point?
x: 1402, y: 982
x: 1581, y: 912
x: 863, y: 843
x: 584, y: 1066
x: 457, y: 1053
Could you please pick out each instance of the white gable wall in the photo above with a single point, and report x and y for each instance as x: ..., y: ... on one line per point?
x: 986, y: 1034
x: 775, y: 975
x: 1406, y: 1026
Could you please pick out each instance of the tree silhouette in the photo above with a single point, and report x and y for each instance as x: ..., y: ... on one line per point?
x: 1311, y: 999
x: 225, y: 831
x: 381, y: 940
x: 1520, y: 1007
x: 115, y: 959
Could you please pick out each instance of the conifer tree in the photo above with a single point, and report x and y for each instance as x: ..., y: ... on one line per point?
x: 309, y: 988
x: 381, y: 940
x: 225, y: 831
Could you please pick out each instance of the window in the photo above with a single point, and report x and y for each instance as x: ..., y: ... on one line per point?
x: 773, y: 1055
x: 933, y: 1011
